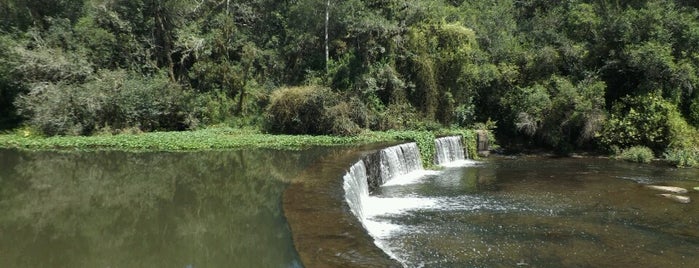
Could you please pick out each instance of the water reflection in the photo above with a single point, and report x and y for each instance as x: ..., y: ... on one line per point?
x: 114, y: 209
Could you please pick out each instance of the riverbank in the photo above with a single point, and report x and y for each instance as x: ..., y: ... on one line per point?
x: 222, y: 138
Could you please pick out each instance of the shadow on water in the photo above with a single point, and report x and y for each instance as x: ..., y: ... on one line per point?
x: 116, y: 209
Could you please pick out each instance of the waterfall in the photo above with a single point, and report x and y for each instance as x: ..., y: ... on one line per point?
x: 399, y: 160
x: 375, y: 170
x: 448, y: 149
x: 383, y: 167
x: 391, y: 167
x: 356, y: 189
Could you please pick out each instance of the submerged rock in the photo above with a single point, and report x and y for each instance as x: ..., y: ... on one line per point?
x: 677, y: 198
x: 670, y: 189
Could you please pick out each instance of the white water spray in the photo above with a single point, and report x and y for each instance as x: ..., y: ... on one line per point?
x: 449, y: 149
x: 398, y: 165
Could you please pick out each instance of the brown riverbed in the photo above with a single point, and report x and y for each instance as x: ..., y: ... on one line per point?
x: 325, y: 232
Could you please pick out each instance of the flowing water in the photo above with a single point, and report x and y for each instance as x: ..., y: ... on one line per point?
x: 529, y: 211
x: 224, y: 209
x: 449, y: 150
x: 115, y: 209
x: 539, y: 212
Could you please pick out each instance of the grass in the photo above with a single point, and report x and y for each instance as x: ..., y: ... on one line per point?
x: 221, y: 138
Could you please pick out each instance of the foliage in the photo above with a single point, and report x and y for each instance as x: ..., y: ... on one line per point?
x: 397, y: 117
x: 10, y: 87
x: 560, y: 113
x: 313, y: 110
x: 441, y: 55
x: 114, y: 100
x: 685, y: 157
x: 560, y: 74
x: 639, y: 154
x: 213, y: 138
x: 647, y: 120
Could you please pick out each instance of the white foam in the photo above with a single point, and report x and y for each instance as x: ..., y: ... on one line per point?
x: 375, y: 206
x: 410, y: 178
x: 401, y: 165
x: 380, y: 229
x: 460, y: 163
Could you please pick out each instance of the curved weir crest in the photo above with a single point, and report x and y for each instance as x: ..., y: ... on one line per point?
x: 530, y: 211
x: 396, y: 165
x: 356, y: 189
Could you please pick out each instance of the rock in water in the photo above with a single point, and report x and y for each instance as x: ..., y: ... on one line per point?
x: 677, y: 198
x: 696, y: 188
x: 670, y: 189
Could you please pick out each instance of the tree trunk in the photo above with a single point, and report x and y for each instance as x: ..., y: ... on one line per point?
x: 164, y: 41
x: 327, y: 21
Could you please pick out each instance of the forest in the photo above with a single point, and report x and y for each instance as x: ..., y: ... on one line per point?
x: 564, y: 75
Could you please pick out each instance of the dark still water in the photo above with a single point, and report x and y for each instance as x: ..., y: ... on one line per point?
x: 115, y: 209
x: 540, y: 212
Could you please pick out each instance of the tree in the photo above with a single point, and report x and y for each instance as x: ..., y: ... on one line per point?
x: 10, y: 85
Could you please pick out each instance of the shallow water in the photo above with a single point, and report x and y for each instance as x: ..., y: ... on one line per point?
x: 540, y: 212
x: 115, y: 209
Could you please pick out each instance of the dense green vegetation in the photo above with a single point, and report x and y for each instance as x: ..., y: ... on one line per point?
x: 639, y: 154
x: 567, y: 75
x: 220, y: 138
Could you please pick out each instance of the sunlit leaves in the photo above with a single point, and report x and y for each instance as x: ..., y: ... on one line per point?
x: 647, y: 120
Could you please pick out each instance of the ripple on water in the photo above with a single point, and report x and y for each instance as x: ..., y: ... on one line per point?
x: 551, y: 213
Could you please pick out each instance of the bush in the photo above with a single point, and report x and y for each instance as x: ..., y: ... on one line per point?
x: 212, y: 107
x: 638, y: 154
x: 683, y: 157
x: 647, y: 120
x: 10, y: 85
x: 396, y: 117
x: 112, y: 100
x: 313, y: 110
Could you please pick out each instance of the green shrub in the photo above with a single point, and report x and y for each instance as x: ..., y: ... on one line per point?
x: 212, y: 107
x: 396, y: 116
x: 338, y: 120
x: 688, y: 157
x: 10, y: 85
x: 112, y: 100
x: 694, y: 111
x: 313, y: 110
x: 465, y: 114
x: 639, y: 154
x: 647, y: 120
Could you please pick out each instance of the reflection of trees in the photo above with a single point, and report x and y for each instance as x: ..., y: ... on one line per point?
x: 117, y: 209
x: 477, y: 178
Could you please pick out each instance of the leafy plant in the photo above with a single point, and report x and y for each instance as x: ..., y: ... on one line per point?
x: 313, y: 110
x: 647, y: 120
x: 686, y: 157
x: 639, y: 154
x: 115, y: 100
